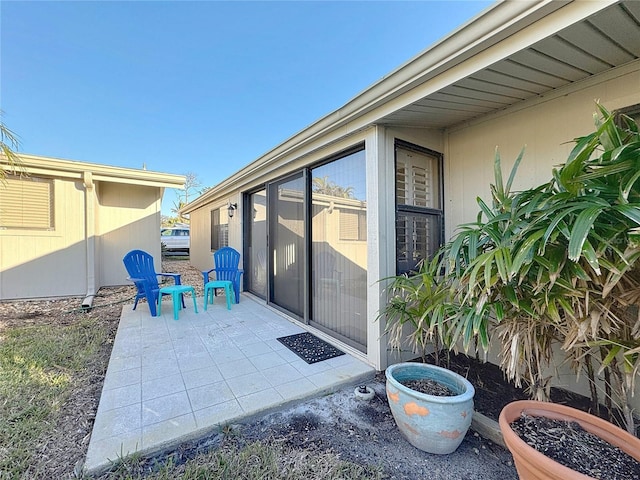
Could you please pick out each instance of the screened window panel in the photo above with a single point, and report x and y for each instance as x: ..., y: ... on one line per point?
x: 257, y: 244
x: 215, y: 226
x: 287, y: 244
x: 418, y: 238
x: 339, y: 249
x: 223, y: 235
x: 26, y: 203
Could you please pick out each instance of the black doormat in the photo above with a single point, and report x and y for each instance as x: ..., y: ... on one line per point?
x: 309, y: 347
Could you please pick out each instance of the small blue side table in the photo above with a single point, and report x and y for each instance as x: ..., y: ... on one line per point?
x: 210, y: 291
x: 176, y: 292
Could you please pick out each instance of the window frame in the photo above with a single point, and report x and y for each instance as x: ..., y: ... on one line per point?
x: 409, y: 210
x: 217, y: 230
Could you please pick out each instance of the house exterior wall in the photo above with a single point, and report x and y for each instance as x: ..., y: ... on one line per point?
x: 200, y: 253
x: 32, y: 262
x: 99, y: 214
x: 547, y: 128
x: 127, y: 218
x: 545, y: 124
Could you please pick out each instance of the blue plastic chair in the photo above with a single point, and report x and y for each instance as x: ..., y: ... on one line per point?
x: 139, y: 265
x: 226, y: 262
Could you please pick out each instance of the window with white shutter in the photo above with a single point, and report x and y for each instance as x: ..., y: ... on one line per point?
x: 26, y: 202
x: 219, y: 228
x: 418, y: 205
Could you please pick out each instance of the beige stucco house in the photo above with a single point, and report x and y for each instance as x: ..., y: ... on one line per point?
x: 376, y: 185
x: 66, y: 225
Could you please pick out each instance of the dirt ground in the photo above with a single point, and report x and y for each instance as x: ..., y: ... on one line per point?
x: 365, y: 433
x: 362, y: 432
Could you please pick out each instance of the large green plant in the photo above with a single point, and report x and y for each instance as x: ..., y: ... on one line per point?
x: 551, y: 265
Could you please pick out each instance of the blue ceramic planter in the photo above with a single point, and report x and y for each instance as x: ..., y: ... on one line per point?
x: 431, y: 423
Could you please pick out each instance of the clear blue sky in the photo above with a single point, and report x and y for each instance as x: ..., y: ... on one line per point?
x: 204, y: 87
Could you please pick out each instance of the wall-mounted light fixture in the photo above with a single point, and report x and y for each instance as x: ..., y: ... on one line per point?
x: 231, y: 208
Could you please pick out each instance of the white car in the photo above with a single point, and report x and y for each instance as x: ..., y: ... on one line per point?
x: 175, y: 239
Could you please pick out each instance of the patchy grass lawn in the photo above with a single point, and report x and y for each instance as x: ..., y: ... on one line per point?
x: 262, y: 460
x: 38, y: 365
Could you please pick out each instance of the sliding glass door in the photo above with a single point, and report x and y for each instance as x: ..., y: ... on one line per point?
x: 306, y: 246
x: 287, y: 243
x: 256, y: 243
x: 339, y: 249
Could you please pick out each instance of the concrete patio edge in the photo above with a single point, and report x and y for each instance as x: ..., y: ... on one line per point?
x: 102, y: 467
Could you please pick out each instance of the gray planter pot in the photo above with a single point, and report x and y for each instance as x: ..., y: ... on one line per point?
x: 431, y: 423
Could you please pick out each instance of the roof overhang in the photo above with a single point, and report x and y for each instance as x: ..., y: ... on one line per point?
x: 509, y: 54
x: 37, y: 165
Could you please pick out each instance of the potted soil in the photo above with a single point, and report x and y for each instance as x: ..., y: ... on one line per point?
x: 594, y: 448
x: 434, y: 422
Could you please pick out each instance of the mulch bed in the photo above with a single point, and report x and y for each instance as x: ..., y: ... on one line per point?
x: 572, y: 446
x: 494, y: 392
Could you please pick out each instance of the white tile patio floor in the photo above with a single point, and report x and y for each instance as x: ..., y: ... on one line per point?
x: 170, y: 381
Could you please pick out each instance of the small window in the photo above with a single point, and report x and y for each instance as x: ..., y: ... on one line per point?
x: 26, y: 203
x: 219, y: 228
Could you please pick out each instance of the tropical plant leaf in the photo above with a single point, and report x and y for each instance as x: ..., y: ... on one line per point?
x: 581, y: 228
x: 514, y: 169
x: 631, y: 211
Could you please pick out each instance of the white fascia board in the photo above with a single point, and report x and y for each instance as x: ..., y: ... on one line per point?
x: 523, y: 38
x: 498, y: 33
x: 37, y: 165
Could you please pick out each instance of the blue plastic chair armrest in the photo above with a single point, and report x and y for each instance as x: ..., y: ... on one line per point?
x: 205, y: 275
x: 176, y: 277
